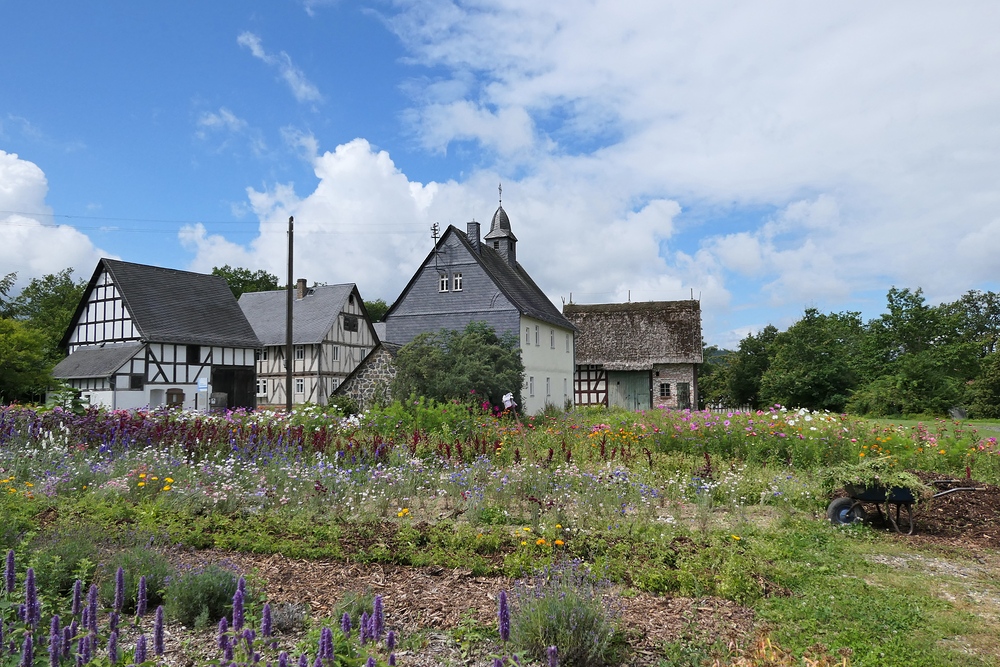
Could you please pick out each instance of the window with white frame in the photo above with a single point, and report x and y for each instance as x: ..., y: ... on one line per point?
x: 538, y: 338
x: 548, y: 387
x: 456, y: 282
x: 263, y: 354
x: 531, y: 385
x: 300, y: 352
x: 336, y: 353
x: 443, y: 283
x: 527, y: 336
x: 262, y: 387
x: 300, y: 386
x: 552, y: 339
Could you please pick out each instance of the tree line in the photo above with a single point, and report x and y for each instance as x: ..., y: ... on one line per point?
x: 914, y: 359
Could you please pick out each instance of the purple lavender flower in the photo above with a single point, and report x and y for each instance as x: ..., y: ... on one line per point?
x: 318, y: 662
x: 32, y: 608
x: 27, y: 652
x: 142, y: 601
x: 497, y: 662
x: 158, y: 631
x: 265, y: 620
x: 119, y: 590
x: 303, y: 660
x: 67, y: 640
x: 345, y: 624
x: 113, y: 648
x: 378, y: 614
x: 370, y: 662
x: 140, y: 650
x: 553, y: 655
x: 223, y: 638
x: 363, y: 628
x: 283, y: 659
x: 92, y: 608
x: 8, y: 572
x: 241, y: 585
x: 390, y: 641
x: 503, y: 616
x: 238, y: 610
x: 89, y: 642
x: 113, y: 621
x: 392, y: 660
x: 249, y: 636
x: 55, y: 642
x: 77, y: 597
x: 326, y: 644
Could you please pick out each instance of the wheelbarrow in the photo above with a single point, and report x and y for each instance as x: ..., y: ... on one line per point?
x: 852, y: 509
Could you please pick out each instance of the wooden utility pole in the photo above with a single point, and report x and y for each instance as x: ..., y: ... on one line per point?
x: 289, y: 361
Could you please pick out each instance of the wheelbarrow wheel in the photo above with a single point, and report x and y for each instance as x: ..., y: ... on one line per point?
x: 843, y: 511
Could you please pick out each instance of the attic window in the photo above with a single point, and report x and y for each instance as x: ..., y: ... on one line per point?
x: 456, y: 282
x: 350, y: 323
x: 496, y: 245
x: 350, y: 299
x: 443, y: 283
x: 194, y: 354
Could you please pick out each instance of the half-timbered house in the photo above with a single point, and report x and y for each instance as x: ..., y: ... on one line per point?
x: 467, y: 279
x: 331, y: 334
x: 637, y: 355
x: 149, y: 336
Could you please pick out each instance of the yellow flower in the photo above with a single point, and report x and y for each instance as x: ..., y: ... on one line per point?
x: 30, y: 484
x: 168, y: 480
x: 527, y: 530
x: 540, y: 541
x: 558, y: 543
x: 142, y: 475
x: 736, y: 537
x: 142, y: 484
x: 403, y: 512
x: 941, y: 451
x: 523, y: 543
x: 154, y: 478
x: 558, y: 526
x: 166, y: 488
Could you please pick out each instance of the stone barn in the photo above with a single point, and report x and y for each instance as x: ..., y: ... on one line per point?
x: 637, y: 355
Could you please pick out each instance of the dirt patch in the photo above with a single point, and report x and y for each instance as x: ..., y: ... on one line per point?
x: 435, y: 600
x: 962, y: 518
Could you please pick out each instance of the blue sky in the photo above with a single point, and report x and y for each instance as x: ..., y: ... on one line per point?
x: 765, y: 157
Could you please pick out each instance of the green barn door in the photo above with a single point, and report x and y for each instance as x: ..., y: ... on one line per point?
x: 629, y: 389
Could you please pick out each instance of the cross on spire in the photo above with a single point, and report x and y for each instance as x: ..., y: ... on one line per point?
x: 500, y: 190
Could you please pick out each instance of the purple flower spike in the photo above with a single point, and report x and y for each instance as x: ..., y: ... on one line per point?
x: 241, y: 586
x: 113, y: 648
x: 140, y: 650
x: 265, y: 620
x: 363, y: 628
x: 92, y: 608
x: 238, y: 610
x: 392, y: 660
x: 497, y: 662
x: 303, y: 660
x: 326, y: 644
x: 158, y: 631
x: 77, y: 597
x: 503, y: 616
x: 9, y: 572
x: 140, y: 605
x: 223, y: 638
x: 370, y: 662
x: 119, y: 590
x: 553, y: 655
x: 32, y: 609
x: 67, y: 640
x: 283, y: 659
x: 345, y: 624
x: 378, y: 613
x: 390, y: 642
x: 27, y: 652
x: 319, y: 662
x: 55, y: 642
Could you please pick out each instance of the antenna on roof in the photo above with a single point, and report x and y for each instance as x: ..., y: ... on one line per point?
x: 500, y: 190
x: 435, y: 230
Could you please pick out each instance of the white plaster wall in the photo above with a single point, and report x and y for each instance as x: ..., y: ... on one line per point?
x: 542, y: 361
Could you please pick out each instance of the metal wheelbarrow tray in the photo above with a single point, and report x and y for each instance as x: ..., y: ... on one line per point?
x: 851, y: 509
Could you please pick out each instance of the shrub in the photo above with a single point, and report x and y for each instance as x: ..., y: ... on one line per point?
x: 136, y: 562
x: 355, y: 603
x: 564, y: 606
x: 200, y: 596
x: 61, y: 557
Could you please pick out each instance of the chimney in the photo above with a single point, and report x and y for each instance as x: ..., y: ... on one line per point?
x: 300, y: 288
x: 472, y: 233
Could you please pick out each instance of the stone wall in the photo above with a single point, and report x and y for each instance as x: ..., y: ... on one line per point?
x: 370, y: 383
x: 671, y: 374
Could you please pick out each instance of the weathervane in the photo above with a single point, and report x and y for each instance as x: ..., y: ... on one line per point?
x: 500, y: 190
x: 435, y: 229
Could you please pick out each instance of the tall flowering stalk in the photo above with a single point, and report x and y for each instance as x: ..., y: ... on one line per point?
x: 55, y: 642
x: 266, y: 629
x: 75, y: 609
x: 140, y: 650
x: 158, y: 631
x: 378, y: 618
x: 27, y: 652
x: 143, y: 599
x: 345, y: 624
x: 553, y: 655
x: 119, y: 590
x: 113, y: 648
x: 238, y: 609
x: 503, y: 616
x: 9, y: 572
x: 92, y: 608
x: 32, y: 606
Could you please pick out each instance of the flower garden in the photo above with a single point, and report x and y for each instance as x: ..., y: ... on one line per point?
x: 663, y: 503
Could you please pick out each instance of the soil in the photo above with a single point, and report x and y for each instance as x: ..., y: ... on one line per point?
x: 432, y: 601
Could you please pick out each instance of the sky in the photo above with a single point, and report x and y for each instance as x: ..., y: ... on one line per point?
x: 763, y: 157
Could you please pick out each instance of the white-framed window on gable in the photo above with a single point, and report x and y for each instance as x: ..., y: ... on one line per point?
x: 263, y: 354
x: 300, y: 386
x: 262, y: 387
x: 335, y: 355
x: 538, y: 339
x: 456, y: 282
x: 300, y: 352
x: 443, y: 283
x: 527, y: 336
x: 552, y: 339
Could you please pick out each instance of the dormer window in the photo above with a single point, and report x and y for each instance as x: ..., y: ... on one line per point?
x: 496, y: 245
x: 443, y: 283
x: 456, y: 282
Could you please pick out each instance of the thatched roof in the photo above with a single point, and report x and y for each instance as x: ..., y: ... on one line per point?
x: 634, y: 336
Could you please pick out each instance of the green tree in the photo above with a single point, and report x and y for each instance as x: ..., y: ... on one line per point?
x: 6, y: 284
x: 712, y: 377
x: 811, y: 362
x: 24, y: 366
x: 244, y: 280
x: 748, y: 365
x: 458, y: 364
x: 47, y: 305
x: 376, y: 309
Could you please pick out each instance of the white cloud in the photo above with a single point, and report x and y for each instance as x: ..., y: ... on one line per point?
x: 31, y: 244
x: 224, y: 120
x: 301, y: 87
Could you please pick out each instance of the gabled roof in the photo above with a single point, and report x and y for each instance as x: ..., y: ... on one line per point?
x: 171, y: 306
x: 382, y: 347
x: 94, y: 361
x: 634, y: 336
x: 513, y: 281
x: 312, y: 316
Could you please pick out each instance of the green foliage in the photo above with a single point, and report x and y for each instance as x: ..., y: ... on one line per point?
x: 24, y: 362
x: 565, y: 606
x: 470, y: 365
x: 354, y: 603
x: 747, y: 366
x: 136, y: 562
x: 376, y: 309
x: 47, y: 305
x: 200, y: 596
x: 244, y: 280
x: 61, y: 557
x: 984, y: 392
x: 343, y: 405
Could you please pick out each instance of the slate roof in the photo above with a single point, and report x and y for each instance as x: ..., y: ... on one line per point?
x: 95, y: 362
x: 634, y: 336
x: 513, y: 281
x: 171, y: 306
x: 312, y: 316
